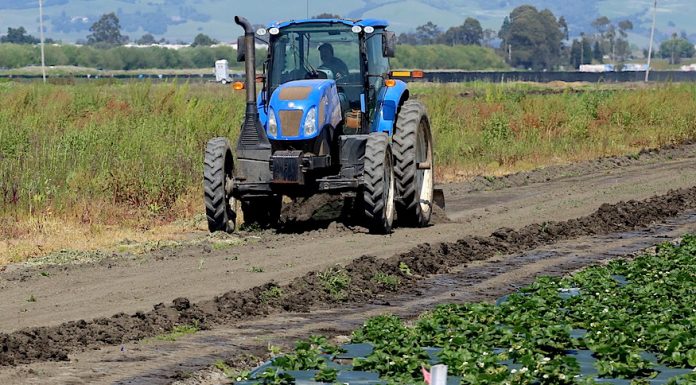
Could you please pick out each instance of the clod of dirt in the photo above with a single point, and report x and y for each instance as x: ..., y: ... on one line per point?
x: 180, y: 304
x: 363, y: 280
x: 316, y: 211
x: 439, y: 216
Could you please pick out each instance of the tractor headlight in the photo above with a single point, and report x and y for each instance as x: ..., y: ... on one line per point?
x: 272, y: 124
x: 310, y: 123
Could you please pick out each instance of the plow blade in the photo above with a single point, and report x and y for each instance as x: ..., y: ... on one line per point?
x: 439, y: 198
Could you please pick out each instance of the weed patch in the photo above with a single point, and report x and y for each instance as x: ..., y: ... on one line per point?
x: 256, y: 269
x: 178, y: 332
x: 225, y: 369
x: 274, y: 292
x: 335, y: 281
x: 390, y: 281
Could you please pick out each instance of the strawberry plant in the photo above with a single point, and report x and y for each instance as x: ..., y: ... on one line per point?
x: 308, y: 354
x: 326, y: 375
x: 396, y: 354
x: 273, y: 376
x: 624, y: 319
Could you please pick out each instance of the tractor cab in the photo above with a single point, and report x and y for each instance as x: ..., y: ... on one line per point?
x: 349, y: 53
x: 328, y: 119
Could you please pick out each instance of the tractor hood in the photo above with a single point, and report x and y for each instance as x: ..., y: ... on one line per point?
x: 301, y: 109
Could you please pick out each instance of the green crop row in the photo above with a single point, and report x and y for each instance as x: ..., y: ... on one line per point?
x: 620, y: 313
x: 140, y: 145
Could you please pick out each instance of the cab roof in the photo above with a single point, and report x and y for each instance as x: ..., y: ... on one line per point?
x: 375, y: 23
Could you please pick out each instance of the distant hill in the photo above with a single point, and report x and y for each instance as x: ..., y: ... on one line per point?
x: 181, y: 20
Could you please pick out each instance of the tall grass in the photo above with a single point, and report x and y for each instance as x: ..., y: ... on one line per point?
x: 139, y: 146
x: 134, y: 145
x: 485, y: 128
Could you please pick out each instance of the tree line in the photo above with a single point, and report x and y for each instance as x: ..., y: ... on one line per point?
x: 116, y: 58
x: 135, y: 58
x: 528, y: 39
x: 532, y: 39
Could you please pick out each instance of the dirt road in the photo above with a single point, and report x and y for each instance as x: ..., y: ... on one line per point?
x: 131, y: 284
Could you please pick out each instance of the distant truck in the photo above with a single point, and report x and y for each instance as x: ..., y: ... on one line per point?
x: 222, y: 71
x: 596, y: 68
x: 600, y: 68
x: 634, y: 67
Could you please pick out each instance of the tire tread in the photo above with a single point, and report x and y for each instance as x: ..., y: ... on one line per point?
x: 215, y: 198
x: 405, y: 137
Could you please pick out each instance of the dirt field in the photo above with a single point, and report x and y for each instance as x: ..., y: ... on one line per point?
x: 499, y: 234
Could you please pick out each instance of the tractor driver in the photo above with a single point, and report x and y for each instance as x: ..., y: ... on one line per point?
x: 331, y: 62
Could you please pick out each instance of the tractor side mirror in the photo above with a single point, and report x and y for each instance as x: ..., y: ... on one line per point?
x: 389, y: 44
x: 241, y: 49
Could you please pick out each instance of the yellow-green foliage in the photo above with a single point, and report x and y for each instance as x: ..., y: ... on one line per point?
x: 479, y: 125
x: 135, y: 144
x: 178, y: 332
x: 140, y: 145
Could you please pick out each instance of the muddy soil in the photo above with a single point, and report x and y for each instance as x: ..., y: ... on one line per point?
x: 74, y: 305
x: 245, y: 343
x: 129, y: 283
x: 314, y: 212
x: 356, y: 282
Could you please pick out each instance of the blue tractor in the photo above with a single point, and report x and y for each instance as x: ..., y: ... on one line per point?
x: 328, y: 119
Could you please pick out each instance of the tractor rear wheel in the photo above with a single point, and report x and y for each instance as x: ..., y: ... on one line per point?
x: 378, y: 194
x: 218, y: 179
x: 263, y: 212
x: 413, y: 165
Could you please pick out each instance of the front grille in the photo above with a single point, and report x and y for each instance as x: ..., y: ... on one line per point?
x: 294, y: 93
x: 290, y: 122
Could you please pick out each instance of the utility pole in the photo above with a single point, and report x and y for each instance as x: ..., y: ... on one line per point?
x: 582, y: 49
x: 41, y: 34
x: 652, y: 37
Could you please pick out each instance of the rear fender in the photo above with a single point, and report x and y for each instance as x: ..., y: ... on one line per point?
x: 390, y: 98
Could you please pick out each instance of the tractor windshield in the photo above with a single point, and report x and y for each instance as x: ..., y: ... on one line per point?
x: 316, y: 51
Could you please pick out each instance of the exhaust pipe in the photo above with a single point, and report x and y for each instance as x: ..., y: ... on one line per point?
x: 252, y: 138
x: 250, y: 62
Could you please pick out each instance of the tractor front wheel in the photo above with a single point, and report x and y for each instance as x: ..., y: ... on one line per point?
x: 218, y: 179
x: 413, y: 166
x: 378, y: 194
x: 263, y: 212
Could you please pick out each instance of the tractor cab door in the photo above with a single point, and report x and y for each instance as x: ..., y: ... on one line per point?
x: 377, y: 67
